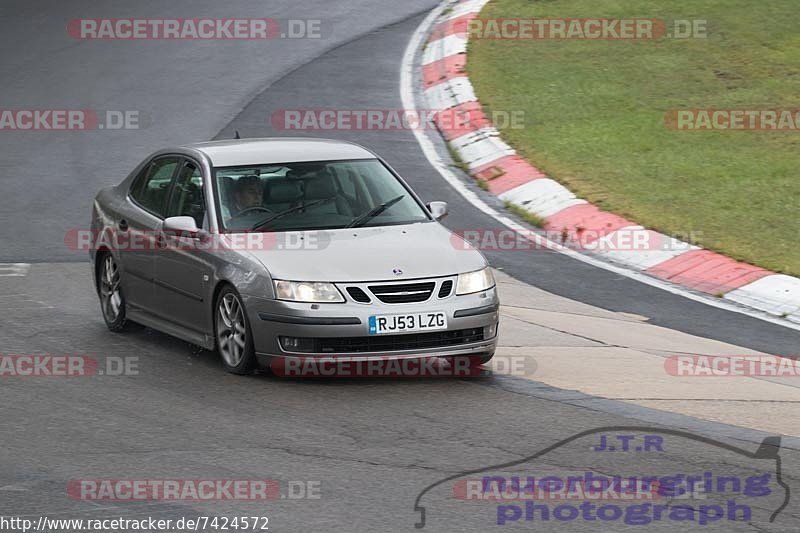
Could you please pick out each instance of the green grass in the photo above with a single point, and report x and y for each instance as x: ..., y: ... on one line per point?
x: 456, y: 157
x: 531, y: 218
x: 594, y: 115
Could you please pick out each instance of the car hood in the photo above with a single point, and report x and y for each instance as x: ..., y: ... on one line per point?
x: 369, y: 254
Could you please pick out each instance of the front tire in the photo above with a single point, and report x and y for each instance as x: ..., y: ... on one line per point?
x: 112, y: 300
x: 234, y: 339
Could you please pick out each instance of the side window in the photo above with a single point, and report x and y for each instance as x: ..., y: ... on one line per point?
x: 151, y: 188
x: 187, y: 197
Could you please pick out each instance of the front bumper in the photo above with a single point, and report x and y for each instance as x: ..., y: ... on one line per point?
x: 271, y: 319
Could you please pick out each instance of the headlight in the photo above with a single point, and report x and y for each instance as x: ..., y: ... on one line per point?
x: 477, y: 281
x: 307, y: 291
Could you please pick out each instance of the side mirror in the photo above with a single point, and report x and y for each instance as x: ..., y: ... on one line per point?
x: 182, y: 226
x: 438, y: 209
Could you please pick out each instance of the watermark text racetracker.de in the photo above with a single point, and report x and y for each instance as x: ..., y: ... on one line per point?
x: 194, y: 29
x: 628, y: 239
x: 192, y: 490
x: 393, y: 119
x: 633, y: 29
x: 66, y: 366
x: 132, y: 240
x: 69, y: 120
x: 762, y: 120
x: 392, y: 367
x: 732, y: 366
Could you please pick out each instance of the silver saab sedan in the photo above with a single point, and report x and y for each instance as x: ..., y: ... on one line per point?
x: 288, y: 248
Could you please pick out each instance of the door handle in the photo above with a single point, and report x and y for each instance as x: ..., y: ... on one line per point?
x: 123, y: 225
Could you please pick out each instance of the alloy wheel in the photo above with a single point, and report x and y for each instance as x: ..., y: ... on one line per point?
x: 231, y: 329
x: 110, y: 294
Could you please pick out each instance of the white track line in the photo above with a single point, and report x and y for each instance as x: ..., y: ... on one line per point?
x: 14, y: 269
x: 426, y: 145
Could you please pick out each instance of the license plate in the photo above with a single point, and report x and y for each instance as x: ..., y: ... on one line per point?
x: 407, y: 323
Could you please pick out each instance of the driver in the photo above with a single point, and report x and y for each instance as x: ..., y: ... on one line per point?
x: 246, y: 194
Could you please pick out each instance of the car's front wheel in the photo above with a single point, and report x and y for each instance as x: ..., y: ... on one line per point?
x: 234, y: 339
x: 112, y: 300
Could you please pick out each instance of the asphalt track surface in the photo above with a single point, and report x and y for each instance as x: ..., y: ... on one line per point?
x: 373, y: 445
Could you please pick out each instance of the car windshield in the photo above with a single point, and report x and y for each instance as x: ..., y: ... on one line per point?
x: 318, y: 195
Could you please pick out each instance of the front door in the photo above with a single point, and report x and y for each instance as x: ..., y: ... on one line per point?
x: 184, y: 266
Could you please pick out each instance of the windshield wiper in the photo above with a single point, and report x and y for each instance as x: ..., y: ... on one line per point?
x: 375, y: 211
x: 285, y: 212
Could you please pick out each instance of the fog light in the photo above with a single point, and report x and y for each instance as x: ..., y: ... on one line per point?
x: 297, y: 344
x: 490, y: 331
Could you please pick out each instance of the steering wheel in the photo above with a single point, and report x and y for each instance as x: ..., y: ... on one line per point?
x: 244, y: 212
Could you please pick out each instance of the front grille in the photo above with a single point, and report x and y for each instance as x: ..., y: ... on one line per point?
x: 444, y: 290
x: 358, y: 295
x: 389, y: 343
x: 403, y: 293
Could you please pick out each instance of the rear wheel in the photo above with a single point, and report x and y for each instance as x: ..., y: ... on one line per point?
x: 112, y: 300
x: 233, y: 337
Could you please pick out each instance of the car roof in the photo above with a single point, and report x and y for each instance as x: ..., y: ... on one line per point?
x: 241, y: 152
